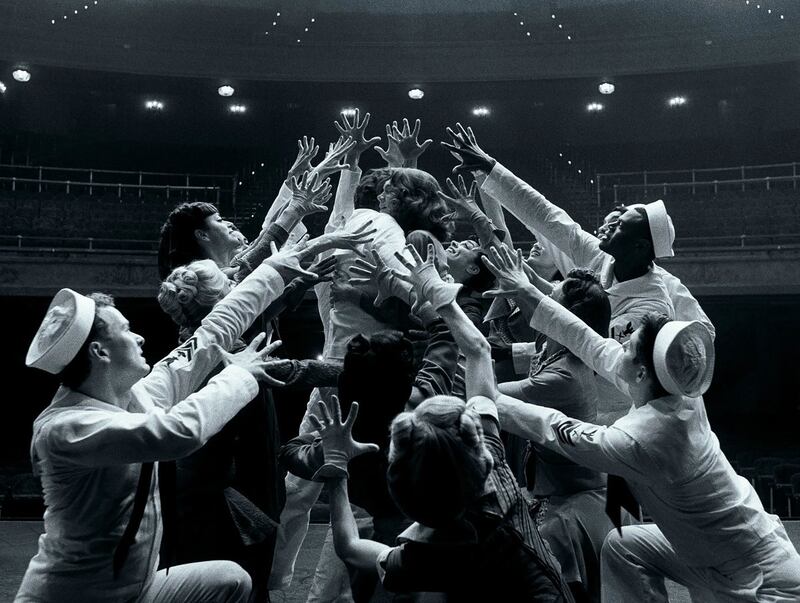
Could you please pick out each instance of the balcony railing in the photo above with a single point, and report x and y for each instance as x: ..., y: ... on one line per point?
x: 212, y: 187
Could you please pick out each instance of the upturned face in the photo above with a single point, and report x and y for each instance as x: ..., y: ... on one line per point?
x: 622, y: 233
x: 603, y: 230
x: 631, y: 363
x: 220, y: 235
x: 123, y: 347
x: 541, y: 261
x: 462, y: 260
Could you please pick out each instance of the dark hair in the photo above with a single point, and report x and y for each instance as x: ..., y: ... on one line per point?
x: 378, y: 373
x: 483, y: 280
x: 651, y: 325
x: 646, y: 234
x: 585, y: 297
x: 78, y: 369
x: 421, y: 208
x: 178, y: 245
x: 370, y: 186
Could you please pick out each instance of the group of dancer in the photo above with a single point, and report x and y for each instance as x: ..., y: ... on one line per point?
x: 487, y: 425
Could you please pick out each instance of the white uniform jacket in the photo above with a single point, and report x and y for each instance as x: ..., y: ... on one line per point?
x: 88, y: 454
x: 630, y: 300
x: 665, y: 449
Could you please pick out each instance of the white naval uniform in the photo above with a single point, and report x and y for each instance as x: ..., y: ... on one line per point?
x: 570, y: 246
x: 88, y: 454
x: 711, y: 531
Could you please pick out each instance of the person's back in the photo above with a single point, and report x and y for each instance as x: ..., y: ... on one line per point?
x: 349, y: 319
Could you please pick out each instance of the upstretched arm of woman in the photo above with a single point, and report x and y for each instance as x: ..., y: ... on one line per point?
x: 350, y: 547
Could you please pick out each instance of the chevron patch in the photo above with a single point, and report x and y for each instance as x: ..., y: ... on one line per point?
x: 564, y: 432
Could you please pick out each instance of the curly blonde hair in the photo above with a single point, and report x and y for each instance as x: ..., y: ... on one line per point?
x: 189, y: 292
x: 438, y: 463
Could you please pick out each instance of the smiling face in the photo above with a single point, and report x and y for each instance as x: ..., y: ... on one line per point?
x: 123, y: 347
x: 623, y: 233
x: 541, y: 261
x: 462, y: 260
x: 612, y: 216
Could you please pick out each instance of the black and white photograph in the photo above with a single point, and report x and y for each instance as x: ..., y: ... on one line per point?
x: 358, y: 301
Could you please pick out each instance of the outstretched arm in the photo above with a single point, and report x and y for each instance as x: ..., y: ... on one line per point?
x: 601, y: 354
x: 527, y: 204
x: 350, y: 547
x: 442, y: 296
x: 339, y: 447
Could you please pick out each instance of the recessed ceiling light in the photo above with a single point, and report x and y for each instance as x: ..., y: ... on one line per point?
x: 606, y: 88
x: 225, y: 90
x: 594, y: 107
x: 415, y: 93
x: 237, y: 109
x: 21, y: 75
x: 481, y: 111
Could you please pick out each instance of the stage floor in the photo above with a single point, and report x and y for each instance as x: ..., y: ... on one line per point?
x: 18, y: 545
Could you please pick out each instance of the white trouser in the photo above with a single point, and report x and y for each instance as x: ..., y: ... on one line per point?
x: 222, y: 581
x: 301, y: 494
x: 633, y: 567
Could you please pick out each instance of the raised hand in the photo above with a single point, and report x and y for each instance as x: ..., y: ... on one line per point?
x: 509, y: 268
x: 425, y: 280
x: 307, y: 150
x: 287, y: 261
x: 256, y: 362
x: 403, y: 148
x: 355, y: 130
x: 341, y: 239
x: 465, y: 148
x: 336, y: 153
x: 462, y: 199
x: 338, y: 444
x: 388, y: 282
x: 308, y: 197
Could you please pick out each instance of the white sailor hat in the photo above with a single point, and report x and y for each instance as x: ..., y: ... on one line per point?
x: 662, y: 232
x: 683, y: 356
x: 63, y: 331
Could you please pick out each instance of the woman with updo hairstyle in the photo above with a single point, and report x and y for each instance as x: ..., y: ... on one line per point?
x: 438, y: 464
x: 189, y: 292
x: 473, y: 538
x: 411, y: 197
x: 178, y: 244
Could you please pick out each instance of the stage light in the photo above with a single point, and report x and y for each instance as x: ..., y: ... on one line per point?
x: 415, y: 93
x: 481, y: 111
x: 154, y: 105
x: 21, y: 75
x: 348, y: 112
x: 606, y: 88
x: 594, y: 107
x: 677, y: 101
x: 237, y: 108
x: 225, y: 90
x: 2, y: 88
